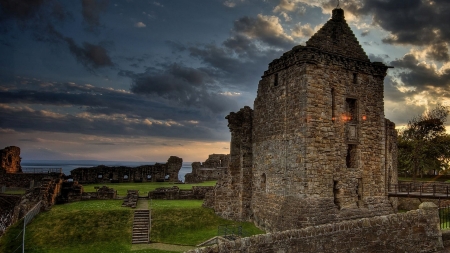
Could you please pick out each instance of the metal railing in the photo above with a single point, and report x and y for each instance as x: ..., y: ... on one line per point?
x: 420, y: 189
x: 444, y: 217
x: 231, y: 232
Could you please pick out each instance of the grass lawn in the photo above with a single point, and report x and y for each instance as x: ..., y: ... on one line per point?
x: 185, y: 222
x: 104, y: 226
x: 143, y: 188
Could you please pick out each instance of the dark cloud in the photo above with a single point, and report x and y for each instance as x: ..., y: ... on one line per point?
x: 439, y: 52
x: 264, y: 28
x: 121, y: 125
x: 413, y: 22
x: 378, y: 58
x: 185, y: 86
x: 31, y: 14
x: 418, y: 74
x: 87, y: 109
x: 91, y: 10
x: 365, y: 33
x: 43, y: 17
x: 91, y: 56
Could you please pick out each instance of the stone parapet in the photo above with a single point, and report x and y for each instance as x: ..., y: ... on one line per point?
x: 414, y: 231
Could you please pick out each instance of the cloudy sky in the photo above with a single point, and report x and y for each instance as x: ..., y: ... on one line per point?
x: 141, y: 80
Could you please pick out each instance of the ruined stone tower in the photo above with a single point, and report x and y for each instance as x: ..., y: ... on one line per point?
x: 314, y: 148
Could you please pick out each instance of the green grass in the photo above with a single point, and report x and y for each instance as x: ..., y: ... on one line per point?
x: 185, y: 222
x: 88, y: 226
x: 143, y: 188
x: 104, y: 226
x: 15, y: 192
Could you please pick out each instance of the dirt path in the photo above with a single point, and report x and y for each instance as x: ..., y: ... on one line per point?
x: 142, y: 204
x: 161, y: 246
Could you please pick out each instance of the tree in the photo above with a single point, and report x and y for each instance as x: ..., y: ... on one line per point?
x: 424, y: 144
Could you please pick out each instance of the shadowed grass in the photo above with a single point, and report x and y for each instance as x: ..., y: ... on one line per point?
x: 185, y: 222
x: 144, y: 188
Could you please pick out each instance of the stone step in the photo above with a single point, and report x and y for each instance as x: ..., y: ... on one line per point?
x: 141, y: 223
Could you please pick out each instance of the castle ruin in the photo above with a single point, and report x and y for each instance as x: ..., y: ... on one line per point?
x: 316, y: 148
x: 10, y: 160
x: 158, y: 172
x: 212, y: 169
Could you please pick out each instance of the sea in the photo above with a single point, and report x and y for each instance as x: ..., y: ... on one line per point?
x: 68, y: 165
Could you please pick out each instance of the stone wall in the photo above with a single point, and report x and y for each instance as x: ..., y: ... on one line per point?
x: 10, y: 160
x: 146, y: 173
x: 174, y: 192
x: 414, y: 231
x: 232, y: 193
x: 413, y: 203
x: 24, y: 180
x: 212, y: 169
x: 391, y: 160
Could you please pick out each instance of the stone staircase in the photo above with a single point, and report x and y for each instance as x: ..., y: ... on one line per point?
x: 141, y: 226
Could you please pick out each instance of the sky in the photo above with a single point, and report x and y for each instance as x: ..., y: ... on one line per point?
x: 138, y: 80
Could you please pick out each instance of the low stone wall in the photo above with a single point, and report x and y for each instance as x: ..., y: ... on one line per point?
x: 413, y: 203
x: 9, y: 211
x: 414, y: 231
x: 24, y: 180
x: 197, y: 192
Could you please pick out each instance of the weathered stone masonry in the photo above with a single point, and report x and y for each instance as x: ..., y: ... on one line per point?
x: 212, y: 169
x: 146, y: 173
x: 10, y: 160
x: 412, y: 232
x: 316, y: 148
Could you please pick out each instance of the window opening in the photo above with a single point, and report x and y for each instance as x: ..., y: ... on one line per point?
x: 350, y: 107
x: 275, y: 80
x: 125, y: 176
x: 355, y: 78
x: 100, y: 176
x: 263, y: 181
x: 351, y: 159
x: 333, y: 105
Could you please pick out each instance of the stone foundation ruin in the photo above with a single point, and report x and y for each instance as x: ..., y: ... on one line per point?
x: 212, y: 169
x: 316, y: 148
x: 146, y: 173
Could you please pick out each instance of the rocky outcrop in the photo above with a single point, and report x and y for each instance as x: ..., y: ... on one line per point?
x: 10, y: 160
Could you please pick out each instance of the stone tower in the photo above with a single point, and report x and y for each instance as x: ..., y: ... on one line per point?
x: 318, y: 138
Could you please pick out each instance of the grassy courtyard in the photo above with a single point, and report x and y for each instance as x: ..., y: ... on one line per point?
x: 104, y: 226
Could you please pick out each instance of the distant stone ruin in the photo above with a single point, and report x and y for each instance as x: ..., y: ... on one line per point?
x: 147, y: 173
x: 174, y: 192
x: 212, y: 169
x: 10, y: 160
x: 316, y: 148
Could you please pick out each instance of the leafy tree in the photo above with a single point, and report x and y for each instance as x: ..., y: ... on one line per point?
x: 424, y: 145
